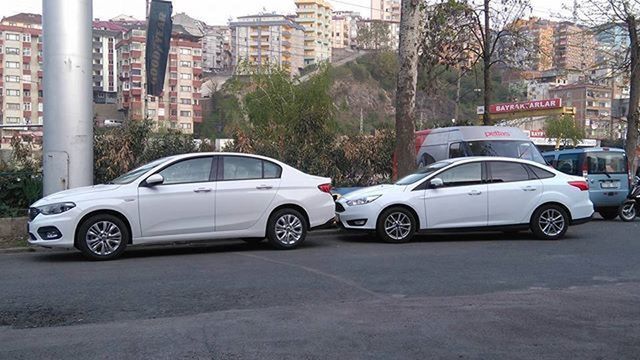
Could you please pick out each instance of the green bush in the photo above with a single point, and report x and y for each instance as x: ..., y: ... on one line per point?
x: 18, y: 190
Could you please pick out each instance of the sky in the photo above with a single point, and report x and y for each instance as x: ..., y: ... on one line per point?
x: 218, y: 12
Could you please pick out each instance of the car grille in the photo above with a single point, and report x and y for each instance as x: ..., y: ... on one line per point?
x: 339, y: 207
x: 33, y: 212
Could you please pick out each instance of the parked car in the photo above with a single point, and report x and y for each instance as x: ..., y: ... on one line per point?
x: 474, y: 193
x: 452, y: 142
x: 606, y: 170
x: 186, y: 198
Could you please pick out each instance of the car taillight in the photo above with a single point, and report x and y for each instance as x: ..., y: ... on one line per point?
x: 582, y: 185
x: 585, y: 168
x: 325, y: 188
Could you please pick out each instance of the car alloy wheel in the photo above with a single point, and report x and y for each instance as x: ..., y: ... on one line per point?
x: 550, y: 222
x: 102, y: 237
x: 628, y: 211
x: 397, y: 225
x: 286, y: 229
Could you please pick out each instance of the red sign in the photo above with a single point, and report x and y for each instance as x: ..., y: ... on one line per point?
x: 525, y: 106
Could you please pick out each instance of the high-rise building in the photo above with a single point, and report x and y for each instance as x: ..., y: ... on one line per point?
x: 106, y: 35
x: 592, y: 105
x: 385, y: 10
x: 344, y: 29
x: 216, y: 48
x: 574, y: 47
x: 540, y: 49
x: 20, y: 75
x: 315, y: 17
x: 267, y: 40
x: 178, y: 107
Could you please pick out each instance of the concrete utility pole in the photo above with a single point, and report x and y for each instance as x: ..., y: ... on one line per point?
x: 407, y: 81
x: 68, y: 97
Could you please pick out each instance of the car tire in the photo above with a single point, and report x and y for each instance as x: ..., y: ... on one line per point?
x: 286, y: 229
x: 102, y: 237
x: 253, y: 241
x: 608, y: 213
x: 550, y: 222
x: 396, y: 225
x: 628, y: 211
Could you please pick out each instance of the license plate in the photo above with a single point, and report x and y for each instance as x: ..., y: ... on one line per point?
x: 610, y: 185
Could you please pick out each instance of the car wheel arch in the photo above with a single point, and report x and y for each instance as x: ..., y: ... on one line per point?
x: 564, y: 207
x: 102, y: 211
x: 296, y: 207
x: 404, y: 206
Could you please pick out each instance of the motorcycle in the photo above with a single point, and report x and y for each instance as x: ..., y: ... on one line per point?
x: 630, y: 208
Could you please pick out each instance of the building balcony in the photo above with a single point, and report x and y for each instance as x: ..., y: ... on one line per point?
x: 135, y: 65
x: 26, y: 86
x: 136, y: 92
x: 136, y: 54
x: 26, y: 72
x: 173, y: 69
x: 26, y: 59
x: 173, y: 93
x: 173, y: 82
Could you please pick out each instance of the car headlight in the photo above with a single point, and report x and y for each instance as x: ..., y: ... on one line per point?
x: 362, y: 201
x: 57, y: 208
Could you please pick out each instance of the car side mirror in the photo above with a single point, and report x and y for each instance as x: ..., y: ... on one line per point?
x: 436, y: 183
x: 155, y: 179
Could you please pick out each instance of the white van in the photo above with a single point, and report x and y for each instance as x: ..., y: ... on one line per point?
x: 445, y: 143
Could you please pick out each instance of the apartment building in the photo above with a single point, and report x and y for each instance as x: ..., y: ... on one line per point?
x: 315, y: 17
x: 267, y: 40
x: 20, y: 75
x: 574, y: 47
x: 179, y: 105
x: 106, y: 35
x: 592, y: 105
x: 540, y: 34
x: 344, y: 29
x: 216, y: 48
x: 385, y: 10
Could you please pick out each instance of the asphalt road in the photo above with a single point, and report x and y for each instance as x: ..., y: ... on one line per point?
x: 479, y: 296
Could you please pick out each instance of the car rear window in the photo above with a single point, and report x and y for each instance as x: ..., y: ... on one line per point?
x: 541, y: 173
x: 607, y: 162
x: 569, y: 164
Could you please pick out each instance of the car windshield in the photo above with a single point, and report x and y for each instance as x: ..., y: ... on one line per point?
x: 137, y: 172
x: 519, y: 149
x: 422, y: 173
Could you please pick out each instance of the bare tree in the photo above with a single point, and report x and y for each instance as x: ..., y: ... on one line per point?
x: 612, y: 17
x: 406, y: 93
x: 496, y: 37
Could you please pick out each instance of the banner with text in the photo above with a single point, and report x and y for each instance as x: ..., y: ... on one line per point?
x: 158, y: 43
x: 545, y: 104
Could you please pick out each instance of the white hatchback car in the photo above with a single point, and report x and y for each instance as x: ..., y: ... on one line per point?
x: 471, y: 193
x: 187, y: 197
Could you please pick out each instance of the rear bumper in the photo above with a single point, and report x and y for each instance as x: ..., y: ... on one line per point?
x: 581, y: 221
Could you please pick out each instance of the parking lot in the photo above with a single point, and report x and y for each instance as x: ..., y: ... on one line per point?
x: 472, y: 296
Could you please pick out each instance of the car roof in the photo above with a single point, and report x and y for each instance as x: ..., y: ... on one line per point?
x: 490, y: 158
x: 583, y: 150
x: 196, y: 154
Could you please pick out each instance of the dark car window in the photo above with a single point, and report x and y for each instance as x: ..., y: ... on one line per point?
x: 549, y: 159
x: 569, y: 164
x: 465, y: 174
x: 187, y: 171
x: 455, y: 150
x: 541, y: 173
x: 271, y: 170
x: 607, y: 162
x: 502, y: 171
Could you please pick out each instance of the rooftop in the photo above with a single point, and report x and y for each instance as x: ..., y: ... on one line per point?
x: 25, y: 18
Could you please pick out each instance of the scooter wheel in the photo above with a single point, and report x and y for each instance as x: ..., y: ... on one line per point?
x: 627, y: 211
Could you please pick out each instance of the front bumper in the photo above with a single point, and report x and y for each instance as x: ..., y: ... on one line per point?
x: 64, y: 223
x: 359, y: 217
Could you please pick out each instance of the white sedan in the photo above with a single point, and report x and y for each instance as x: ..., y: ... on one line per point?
x: 476, y: 193
x: 187, y: 197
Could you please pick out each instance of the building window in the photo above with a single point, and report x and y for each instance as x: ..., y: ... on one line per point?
x: 185, y: 63
x: 11, y: 51
x: 12, y: 120
x: 13, y: 106
x: 185, y: 88
x: 26, y: 66
x: 12, y: 78
x: 185, y: 76
x: 14, y: 37
x: 173, y: 100
x: 174, y: 112
x: 26, y: 37
x: 26, y: 51
x: 196, y: 52
x: 151, y: 113
x: 136, y: 72
x: 185, y: 126
x: 161, y: 112
x: 173, y: 75
x: 185, y: 113
x: 185, y: 51
x: 26, y: 93
x: 185, y: 101
x: 136, y: 84
x: 12, y: 92
x: 26, y: 106
x: 12, y: 65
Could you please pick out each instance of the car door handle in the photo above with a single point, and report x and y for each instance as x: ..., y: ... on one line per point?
x: 529, y: 188
x: 202, y: 189
x: 474, y: 192
x: 264, y: 187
